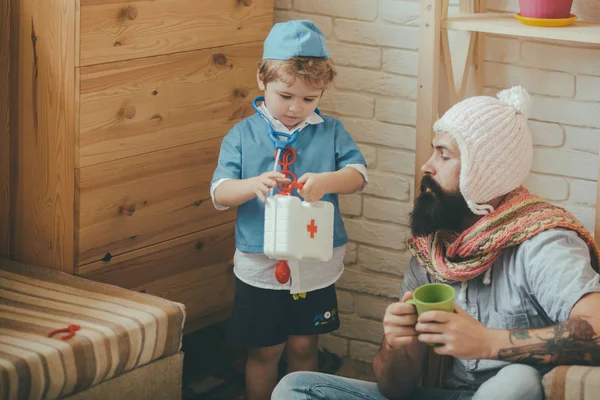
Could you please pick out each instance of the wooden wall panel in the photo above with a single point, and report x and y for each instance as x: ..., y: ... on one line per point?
x: 195, y: 269
x: 125, y: 29
x: 45, y: 141
x: 4, y: 128
x: 141, y: 106
x: 143, y: 200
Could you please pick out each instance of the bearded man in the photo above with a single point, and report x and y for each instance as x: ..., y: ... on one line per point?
x: 524, y: 272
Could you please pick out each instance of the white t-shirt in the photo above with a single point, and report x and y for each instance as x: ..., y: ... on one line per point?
x: 256, y: 269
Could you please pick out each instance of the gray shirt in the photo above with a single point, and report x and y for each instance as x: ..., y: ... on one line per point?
x: 534, y: 285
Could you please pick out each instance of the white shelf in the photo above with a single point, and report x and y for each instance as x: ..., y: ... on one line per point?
x: 507, y: 24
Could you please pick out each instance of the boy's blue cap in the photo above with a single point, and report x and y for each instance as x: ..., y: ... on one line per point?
x: 298, y: 38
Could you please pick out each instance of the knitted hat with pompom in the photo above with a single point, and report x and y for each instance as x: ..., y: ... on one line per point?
x: 495, y: 144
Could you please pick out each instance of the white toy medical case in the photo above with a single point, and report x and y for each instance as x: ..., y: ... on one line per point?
x: 297, y: 230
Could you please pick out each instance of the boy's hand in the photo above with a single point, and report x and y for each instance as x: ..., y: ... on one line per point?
x: 315, y: 186
x: 262, y: 184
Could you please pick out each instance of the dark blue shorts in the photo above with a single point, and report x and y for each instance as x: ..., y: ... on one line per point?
x: 266, y: 317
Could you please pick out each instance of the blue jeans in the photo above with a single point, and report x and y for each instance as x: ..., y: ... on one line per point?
x: 514, y: 382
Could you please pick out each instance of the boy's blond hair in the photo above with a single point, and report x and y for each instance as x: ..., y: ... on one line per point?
x: 317, y: 72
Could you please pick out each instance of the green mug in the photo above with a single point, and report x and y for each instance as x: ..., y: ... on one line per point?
x: 433, y: 296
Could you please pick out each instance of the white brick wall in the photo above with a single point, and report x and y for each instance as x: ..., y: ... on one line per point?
x: 374, y: 43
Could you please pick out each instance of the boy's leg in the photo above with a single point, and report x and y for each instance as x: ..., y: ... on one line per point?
x: 258, y: 324
x: 513, y: 382
x: 309, y: 315
x: 319, y: 386
x: 261, y: 371
x: 302, y: 353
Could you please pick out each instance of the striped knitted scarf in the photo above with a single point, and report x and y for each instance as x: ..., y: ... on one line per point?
x: 451, y: 257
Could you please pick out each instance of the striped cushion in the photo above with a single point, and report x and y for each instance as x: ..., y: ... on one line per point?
x: 572, y: 383
x: 120, y: 330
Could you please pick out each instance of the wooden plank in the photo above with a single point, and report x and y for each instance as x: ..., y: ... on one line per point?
x: 215, y: 244
x: 195, y: 269
x: 77, y: 33
x: 124, y: 30
x: 5, y: 41
x: 135, y: 107
x: 208, y: 320
x: 478, y: 57
x: 204, y: 291
x: 143, y: 200
x: 44, y: 145
x: 507, y: 24
x: 447, y: 96
x: 428, y: 82
x: 466, y: 6
x: 597, y: 227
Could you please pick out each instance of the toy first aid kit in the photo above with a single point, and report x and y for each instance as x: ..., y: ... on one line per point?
x: 297, y: 230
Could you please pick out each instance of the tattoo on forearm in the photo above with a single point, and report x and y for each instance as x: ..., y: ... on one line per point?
x: 571, y: 342
x: 521, y: 334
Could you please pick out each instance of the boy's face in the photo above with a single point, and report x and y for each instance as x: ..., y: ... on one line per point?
x: 290, y: 104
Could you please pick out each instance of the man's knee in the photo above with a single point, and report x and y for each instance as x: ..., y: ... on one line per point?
x: 294, y: 383
x: 515, y: 381
x: 520, y: 372
x: 527, y: 379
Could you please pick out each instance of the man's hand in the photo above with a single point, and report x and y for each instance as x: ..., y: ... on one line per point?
x: 315, y: 186
x: 399, y: 323
x: 262, y: 184
x: 399, y: 362
x: 458, y: 334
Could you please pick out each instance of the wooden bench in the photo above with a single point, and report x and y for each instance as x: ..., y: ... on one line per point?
x: 127, y: 345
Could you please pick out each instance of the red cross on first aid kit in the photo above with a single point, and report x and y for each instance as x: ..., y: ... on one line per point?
x: 297, y: 230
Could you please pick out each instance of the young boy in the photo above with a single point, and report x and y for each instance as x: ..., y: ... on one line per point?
x: 269, y: 316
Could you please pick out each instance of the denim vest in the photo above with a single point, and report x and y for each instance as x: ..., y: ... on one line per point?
x: 247, y: 151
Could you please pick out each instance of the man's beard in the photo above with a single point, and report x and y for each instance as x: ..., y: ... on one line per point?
x: 436, y: 210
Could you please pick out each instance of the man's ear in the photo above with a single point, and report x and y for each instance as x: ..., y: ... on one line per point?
x: 259, y: 81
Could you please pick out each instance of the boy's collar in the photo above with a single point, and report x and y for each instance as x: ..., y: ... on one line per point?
x: 312, y: 119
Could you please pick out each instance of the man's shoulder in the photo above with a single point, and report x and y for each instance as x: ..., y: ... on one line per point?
x: 415, y: 270
x: 552, y: 238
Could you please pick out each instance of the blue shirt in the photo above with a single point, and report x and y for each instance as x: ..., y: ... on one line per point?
x: 534, y: 285
x: 247, y: 151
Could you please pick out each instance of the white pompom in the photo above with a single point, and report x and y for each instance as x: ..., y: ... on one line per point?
x: 518, y: 98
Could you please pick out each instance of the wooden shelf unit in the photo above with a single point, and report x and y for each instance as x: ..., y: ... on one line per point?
x: 445, y: 80
x: 507, y: 24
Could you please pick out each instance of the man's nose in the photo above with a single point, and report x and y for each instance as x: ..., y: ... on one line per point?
x: 427, y: 168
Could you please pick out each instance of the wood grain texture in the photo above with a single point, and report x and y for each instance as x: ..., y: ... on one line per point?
x: 143, y: 200
x: 115, y: 31
x: 428, y: 83
x: 44, y: 145
x: 5, y: 43
x: 597, y: 219
x: 139, y: 106
x: 195, y: 269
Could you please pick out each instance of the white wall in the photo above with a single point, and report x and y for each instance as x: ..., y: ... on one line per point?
x: 375, y: 46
